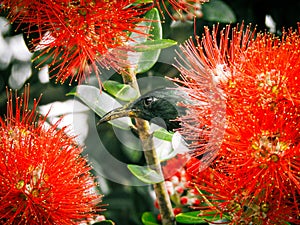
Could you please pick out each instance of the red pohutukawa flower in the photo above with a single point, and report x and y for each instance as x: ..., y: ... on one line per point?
x: 227, y: 197
x: 254, y: 78
x: 78, y: 36
x: 44, y: 179
x: 184, y: 9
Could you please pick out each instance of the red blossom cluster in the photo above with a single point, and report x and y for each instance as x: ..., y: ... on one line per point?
x: 43, y: 177
x: 181, y: 192
x: 78, y: 36
x: 254, y: 176
x: 183, y: 9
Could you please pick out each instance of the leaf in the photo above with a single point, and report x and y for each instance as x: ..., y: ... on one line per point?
x: 163, y: 149
x: 149, y: 219
x: 100, y: 103
x: 121, y: 91
x: 105, y: 222
x: 178, y: 143
x: 145, y: 174
x: 163, y: 146
x: 154, y: 45
x: 143, y: 61
x: 195, y: 218
x: 143, y: 1
x: 163, y: 134
x: 218, y: 11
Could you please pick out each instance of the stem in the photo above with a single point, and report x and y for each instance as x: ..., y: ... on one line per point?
x: 211, y: 205
x: 165, y: 206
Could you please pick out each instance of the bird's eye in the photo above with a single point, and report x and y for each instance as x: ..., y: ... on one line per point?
x: 148, y: 101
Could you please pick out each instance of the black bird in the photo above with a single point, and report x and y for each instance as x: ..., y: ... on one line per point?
x: 159, y: 106
x: 162, y: 107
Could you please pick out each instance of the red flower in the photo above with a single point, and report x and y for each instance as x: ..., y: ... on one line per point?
x: 44, y: 179
x: 78, y: 36
x: 250, y: 84
x: 226, y: 196
x: 184, y: 9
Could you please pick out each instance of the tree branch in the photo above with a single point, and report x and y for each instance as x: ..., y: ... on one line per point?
x: 165, y: 206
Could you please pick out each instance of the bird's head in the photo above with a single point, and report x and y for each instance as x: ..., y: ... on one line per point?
x: 159, y: 107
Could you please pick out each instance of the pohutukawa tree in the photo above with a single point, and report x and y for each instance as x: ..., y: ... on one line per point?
x: 236, y: 105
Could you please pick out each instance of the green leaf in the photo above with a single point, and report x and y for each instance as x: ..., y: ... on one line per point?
x: 195, y: 218
x: 145, y: 174
x: 163, y: 134
x: 162, y: 142
x: 168, y: 144
x: 121, y: 91
x: 105, y: 222
x: 163, y: 149
x: 178, y: 143
x: 154, y: 45
x: 143, y: 61
x: 101, y: 103
x: 218, y: 11
x: 149, y: 219
x: 143, y: 1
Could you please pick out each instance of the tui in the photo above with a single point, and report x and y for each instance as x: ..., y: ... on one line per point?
x: 159, y: 106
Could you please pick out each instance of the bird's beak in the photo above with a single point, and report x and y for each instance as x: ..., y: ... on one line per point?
x: 124, y: 111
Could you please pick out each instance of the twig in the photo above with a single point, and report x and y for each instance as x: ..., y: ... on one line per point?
x: 152, y: 159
